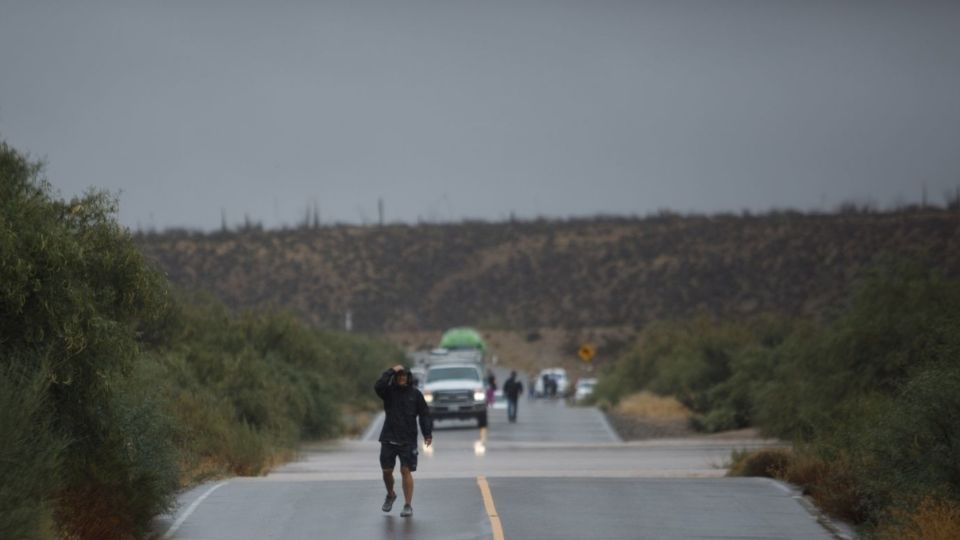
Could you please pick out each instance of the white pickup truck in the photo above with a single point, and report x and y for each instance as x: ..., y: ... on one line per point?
x: 456, y: 391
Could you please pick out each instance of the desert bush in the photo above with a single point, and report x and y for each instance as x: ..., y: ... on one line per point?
x: 653, y: 407
x: 634, y: 370
x: 30, y: 455
x: 363, y: 359
x: 828, y: 476
x: 933, y: 518
x: 113, y: 392
x: 247, y: 387
x: 874, y: 396
x: 902, y: 318
x: 870, y: 395
x: 74, y: 295
x: 136, y: 462
x: 767, y: 462
x: 908, y: 446
x: 248, y: 451
x: 713, y: 368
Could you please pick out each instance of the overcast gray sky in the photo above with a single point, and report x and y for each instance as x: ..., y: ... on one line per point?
x: 454, y: 109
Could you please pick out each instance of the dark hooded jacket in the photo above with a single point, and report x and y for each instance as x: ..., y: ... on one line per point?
x: 513, y: 388
x: 402, y: 405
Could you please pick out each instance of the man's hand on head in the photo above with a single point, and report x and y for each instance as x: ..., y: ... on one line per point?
x: 397, y: 367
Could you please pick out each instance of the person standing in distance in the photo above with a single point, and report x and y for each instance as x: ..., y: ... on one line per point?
x: 403, y: 405
x: 512, y: 390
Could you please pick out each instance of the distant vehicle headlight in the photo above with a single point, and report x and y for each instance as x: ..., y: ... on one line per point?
x: 478, y: 395
x: 428, y: 397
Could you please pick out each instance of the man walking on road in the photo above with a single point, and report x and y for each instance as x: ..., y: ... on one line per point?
x: 512, y: 389
x: 402, y: 405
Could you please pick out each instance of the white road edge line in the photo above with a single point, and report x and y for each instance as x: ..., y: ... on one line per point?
x: 783, y: 487
x: 807, y: 504
x: 606, y: 424
x: 183, y: 517
x: 377, y: 420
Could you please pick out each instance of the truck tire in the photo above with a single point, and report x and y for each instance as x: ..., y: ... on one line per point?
x: 482, y: 420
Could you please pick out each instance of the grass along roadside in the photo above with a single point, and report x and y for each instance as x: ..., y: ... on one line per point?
x: 832, y: 487
x: 644, y: 415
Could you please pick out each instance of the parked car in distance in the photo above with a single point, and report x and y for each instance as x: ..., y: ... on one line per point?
x: 584, y: 388
x: 558, y: 375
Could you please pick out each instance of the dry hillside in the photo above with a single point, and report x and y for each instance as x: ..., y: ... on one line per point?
x: 601, y: 272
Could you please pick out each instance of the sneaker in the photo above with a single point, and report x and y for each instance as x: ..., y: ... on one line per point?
x: 388, y: 503
x: 407, y: 511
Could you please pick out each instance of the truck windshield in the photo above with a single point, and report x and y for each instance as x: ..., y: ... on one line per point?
x: 449, y: 373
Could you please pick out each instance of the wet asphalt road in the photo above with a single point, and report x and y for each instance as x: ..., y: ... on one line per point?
x: 558, y: 473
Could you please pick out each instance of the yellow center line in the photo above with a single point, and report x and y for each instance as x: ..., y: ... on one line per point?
x: 491, y: 509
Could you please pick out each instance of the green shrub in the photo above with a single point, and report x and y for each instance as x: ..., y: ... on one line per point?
x: 875, y: 395
x: 30, y: 456
x: 909, y: 445
x: 248, y: 451
x: 902, y: 318
x: 135, y: 474
x: 870, y: 395
x: 713, y: 368
x: 74, y: 295
x: 248, y: 387
x: 113, y: 393
x: 719, y: 419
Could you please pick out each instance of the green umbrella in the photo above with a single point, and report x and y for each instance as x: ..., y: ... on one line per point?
x: 462, y: 338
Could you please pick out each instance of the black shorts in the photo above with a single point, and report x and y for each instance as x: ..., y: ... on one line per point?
x: 406, y: 452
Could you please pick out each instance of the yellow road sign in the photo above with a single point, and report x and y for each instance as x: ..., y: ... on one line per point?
x: 586, y: 352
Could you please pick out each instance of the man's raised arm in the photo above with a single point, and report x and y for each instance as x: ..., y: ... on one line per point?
x: 382, y: 383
